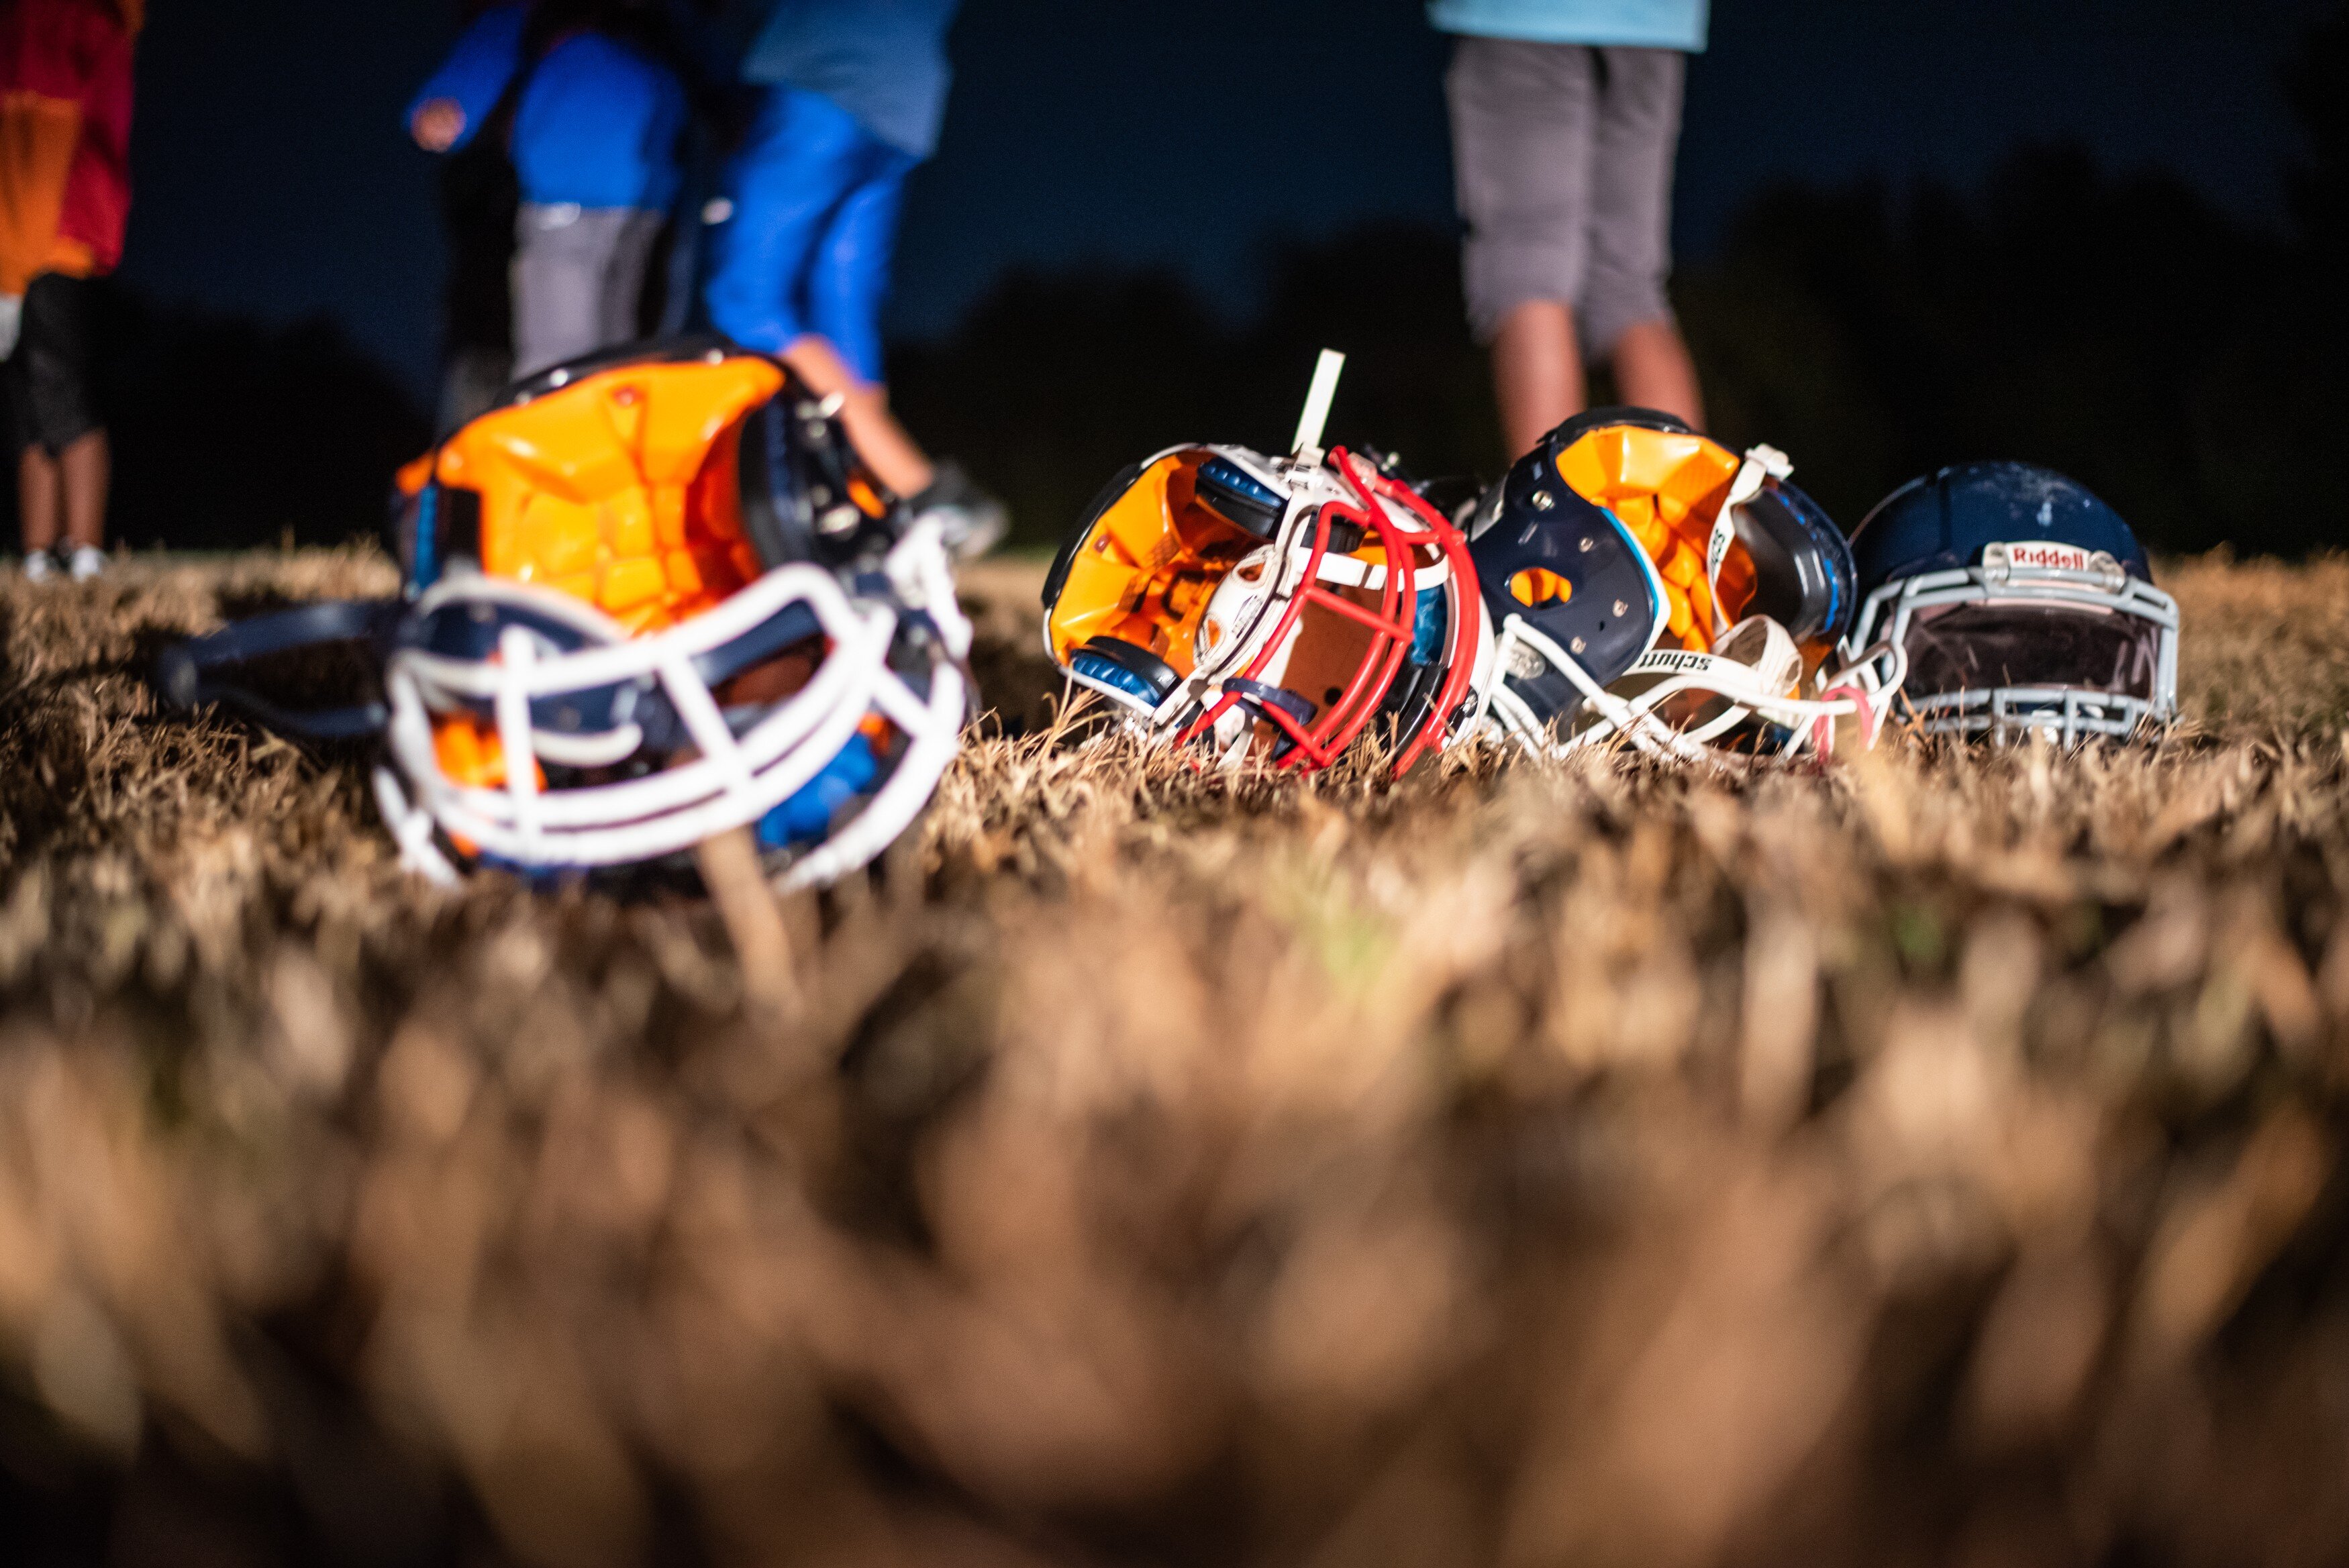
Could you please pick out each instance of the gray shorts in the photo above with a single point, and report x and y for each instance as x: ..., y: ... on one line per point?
x: 1563, y: 156
x: 578, y: 280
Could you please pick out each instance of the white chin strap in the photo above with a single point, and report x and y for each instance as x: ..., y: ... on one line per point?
x: 727, y: 781
x: 1757, y: 677
x: 1762, y: 465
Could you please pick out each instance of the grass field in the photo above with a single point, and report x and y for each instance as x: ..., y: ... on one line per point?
x: 1934, y: 1162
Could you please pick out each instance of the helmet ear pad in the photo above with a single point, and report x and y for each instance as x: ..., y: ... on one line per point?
x: 1803, y: 572
x: 1129, y: 667
x: 776, y: 512
x: 800, y: 482
x: 1411, y: 702
x: 1610, y: 608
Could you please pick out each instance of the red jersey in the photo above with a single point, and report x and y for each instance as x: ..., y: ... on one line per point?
x: 64, y: 136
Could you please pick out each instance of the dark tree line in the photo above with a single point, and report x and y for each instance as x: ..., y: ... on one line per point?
x: 2185, y: 365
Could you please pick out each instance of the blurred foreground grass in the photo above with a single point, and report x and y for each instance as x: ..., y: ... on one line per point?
x: 1937, y: 1160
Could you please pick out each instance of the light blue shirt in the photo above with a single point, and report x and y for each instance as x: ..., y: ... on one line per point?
x: 1610, y: 23
x: 884, y: 61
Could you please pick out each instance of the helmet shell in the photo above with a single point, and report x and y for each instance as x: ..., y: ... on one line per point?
x: 1537, y: 528
x: 1942, y: 522
x: 1612, y: 417
x: 652, y: 482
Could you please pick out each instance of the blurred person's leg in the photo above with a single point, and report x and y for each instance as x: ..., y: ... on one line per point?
x: 846, y: 287
x: 1653, y: 370
x: 848, y: 283
x: 788, y: 190
x: 891, y: 454
x: 1523, y: 126
x: 40, y: 504
x: 40, y: 498
x: 1626, y: 312
x: 65, y: 472
x: 87, y: 470
x: 972, y: 520
x: 798, y: 161
x: 570, y: 263
x: 555, y: 296
x: 628, y: 271
x: 1537, y: 372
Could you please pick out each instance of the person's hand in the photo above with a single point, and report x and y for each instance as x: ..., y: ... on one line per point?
x: 437, y: 124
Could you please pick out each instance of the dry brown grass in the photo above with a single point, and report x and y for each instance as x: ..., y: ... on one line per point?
x: 1935, y: 1161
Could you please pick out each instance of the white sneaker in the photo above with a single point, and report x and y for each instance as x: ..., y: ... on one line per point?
x: 40, y: 566
x: 87, y: 563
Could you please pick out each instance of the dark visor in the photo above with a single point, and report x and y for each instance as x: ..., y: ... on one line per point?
x: 1986, y: 647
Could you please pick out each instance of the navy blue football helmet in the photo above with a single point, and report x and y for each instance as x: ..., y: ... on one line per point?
x: 1647, y: 583
x: 1575, y: 599
x: 2023, y: 603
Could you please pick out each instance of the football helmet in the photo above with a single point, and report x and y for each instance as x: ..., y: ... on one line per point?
x: 1649, y: 583
x: 2023, y: 604
x: 1270, y: 607
x: 651, y: 598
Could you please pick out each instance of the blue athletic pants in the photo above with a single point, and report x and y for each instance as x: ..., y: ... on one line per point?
x: 806, y: 246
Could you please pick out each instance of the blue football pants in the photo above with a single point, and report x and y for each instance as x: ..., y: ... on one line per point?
x: 806, y: 248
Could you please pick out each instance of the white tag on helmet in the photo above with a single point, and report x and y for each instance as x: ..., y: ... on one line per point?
x: 2001, y: 561
x: 2040, y: 556
x: 1724, y: 534
x: 1762, y: 465
x: 1757, y: 655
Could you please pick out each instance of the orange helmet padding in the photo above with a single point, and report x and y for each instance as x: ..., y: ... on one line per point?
x: 621, y: 489
x: 472, y: 753
x: 1668, y: 488
x: 1145, y: 571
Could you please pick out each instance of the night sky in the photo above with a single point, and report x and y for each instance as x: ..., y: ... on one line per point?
x: 273, y: 179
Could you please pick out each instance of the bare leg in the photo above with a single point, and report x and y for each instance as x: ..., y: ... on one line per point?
x: 880, y: 440
x: 1536, y: 373
x: 87, y: 467
x: 40, y: 498
x: 1652, y: 370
